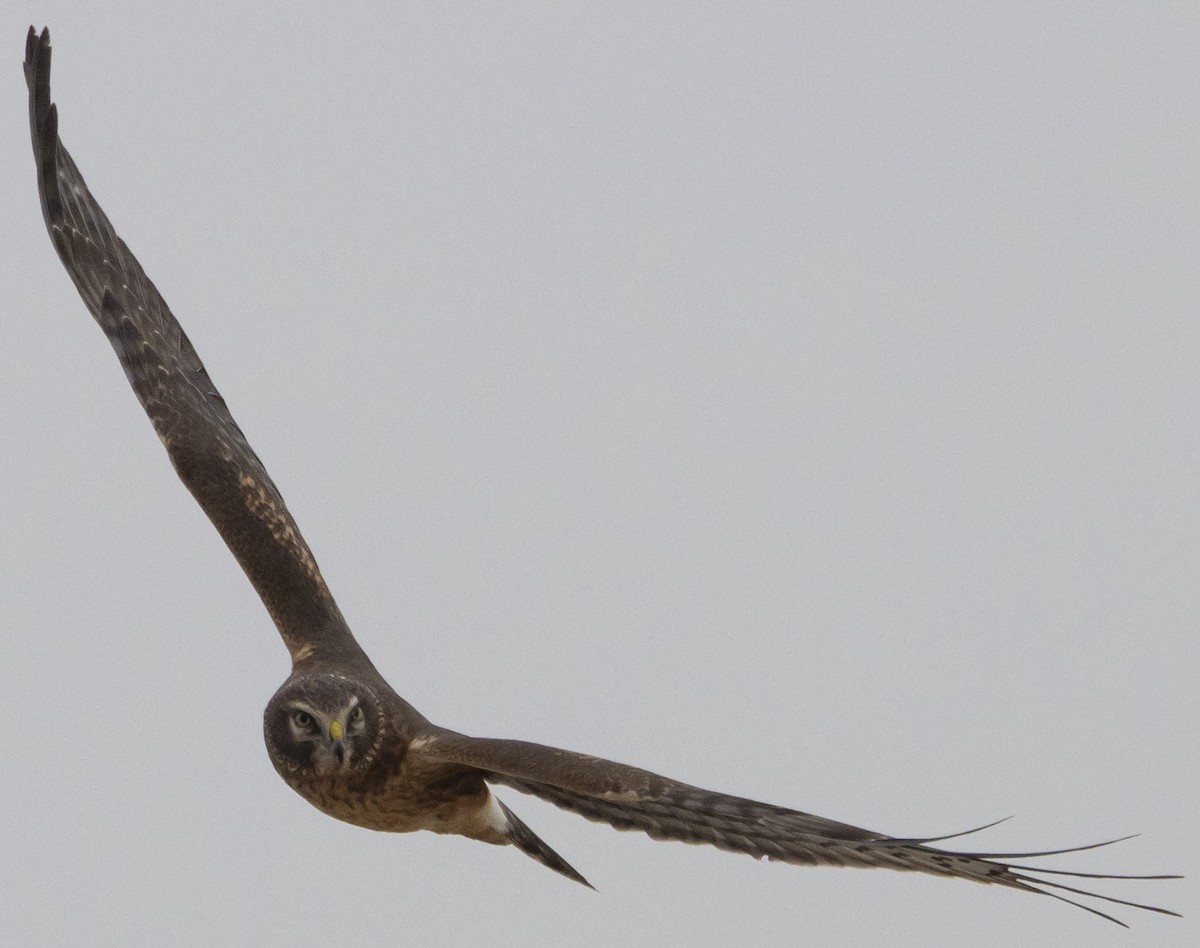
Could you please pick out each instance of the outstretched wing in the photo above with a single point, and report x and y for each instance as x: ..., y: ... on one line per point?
x: 628, y: 798
x: 209, y: 451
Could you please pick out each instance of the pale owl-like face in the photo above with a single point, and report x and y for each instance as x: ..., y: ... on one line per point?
x: 323, y: 725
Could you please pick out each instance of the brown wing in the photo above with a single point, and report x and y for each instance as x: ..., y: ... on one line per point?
x: 632, y: 799
x: 209, y: 451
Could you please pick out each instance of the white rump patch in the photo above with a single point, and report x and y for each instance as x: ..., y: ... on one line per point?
x: 495, y: 816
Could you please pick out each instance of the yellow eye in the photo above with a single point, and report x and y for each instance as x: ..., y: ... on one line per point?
x: 356, y: 715
x: 303, y: 719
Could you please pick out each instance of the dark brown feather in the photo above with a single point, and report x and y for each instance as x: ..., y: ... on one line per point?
x: 629, y: 798
x: 205, y: 444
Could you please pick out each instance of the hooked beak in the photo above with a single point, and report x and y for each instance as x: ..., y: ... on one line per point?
x: 337, y: 734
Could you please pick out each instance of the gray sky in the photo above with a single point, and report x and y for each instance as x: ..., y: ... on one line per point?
x: 797, y: 402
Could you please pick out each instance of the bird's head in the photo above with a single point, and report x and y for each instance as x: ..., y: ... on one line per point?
x: 323, y: 724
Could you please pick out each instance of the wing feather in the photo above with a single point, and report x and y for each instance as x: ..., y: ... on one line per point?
x: 205, y: 444
x: 629, y: 798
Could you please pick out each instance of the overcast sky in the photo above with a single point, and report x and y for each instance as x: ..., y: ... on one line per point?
x: 800, y: 401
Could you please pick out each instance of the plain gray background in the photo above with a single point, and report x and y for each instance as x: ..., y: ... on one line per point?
x: 797, y: 400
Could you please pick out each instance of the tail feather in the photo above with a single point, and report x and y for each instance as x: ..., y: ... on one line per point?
x: 529, y: 843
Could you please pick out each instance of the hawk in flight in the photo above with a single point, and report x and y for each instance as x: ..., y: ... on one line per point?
x: 335, y: 730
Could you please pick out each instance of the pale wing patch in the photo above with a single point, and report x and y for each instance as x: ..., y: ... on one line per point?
x: 621, y: 796
x: 267, y: 511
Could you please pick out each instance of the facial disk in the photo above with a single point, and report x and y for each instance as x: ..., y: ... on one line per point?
x: 321, y: 725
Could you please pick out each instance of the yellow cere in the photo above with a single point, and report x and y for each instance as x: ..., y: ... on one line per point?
x: 336, y: 731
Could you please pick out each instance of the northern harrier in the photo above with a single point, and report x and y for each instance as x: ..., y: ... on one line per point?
x: 336, y: 731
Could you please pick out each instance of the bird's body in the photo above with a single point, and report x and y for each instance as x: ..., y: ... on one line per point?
x: 387, y: 789
x: 400, y: 793
x: 336, y: 732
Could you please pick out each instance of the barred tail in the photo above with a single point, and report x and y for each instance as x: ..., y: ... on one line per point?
x: 529, y: 843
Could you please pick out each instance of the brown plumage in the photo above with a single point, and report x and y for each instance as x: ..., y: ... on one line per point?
x: 335, y: 730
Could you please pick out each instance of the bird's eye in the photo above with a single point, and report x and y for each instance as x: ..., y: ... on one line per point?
x: 303, y: 719
x: 356, y: 715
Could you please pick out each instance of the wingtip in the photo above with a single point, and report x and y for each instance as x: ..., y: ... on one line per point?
x: 37, y: 74
x: 37, y: 47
